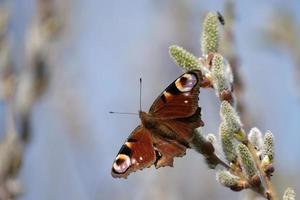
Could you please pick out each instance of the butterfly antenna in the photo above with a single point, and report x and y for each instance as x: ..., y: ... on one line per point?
x: 140, y: 94
x: 123, y: 113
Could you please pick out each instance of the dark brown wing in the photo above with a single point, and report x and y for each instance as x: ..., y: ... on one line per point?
x: 180, y: 99
x: 175, y: 145
x: 184, y: 127
x: 177, y: 109
x: 136, y: 153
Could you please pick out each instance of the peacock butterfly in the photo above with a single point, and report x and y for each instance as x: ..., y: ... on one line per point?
x: 165, y: 131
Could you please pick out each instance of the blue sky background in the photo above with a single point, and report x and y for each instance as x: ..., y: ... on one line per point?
x: 110, y: 45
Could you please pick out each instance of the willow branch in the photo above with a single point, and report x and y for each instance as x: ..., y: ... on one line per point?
x: 270, y: 193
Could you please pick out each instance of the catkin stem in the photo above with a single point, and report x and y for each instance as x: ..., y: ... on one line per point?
x: 269, y: 193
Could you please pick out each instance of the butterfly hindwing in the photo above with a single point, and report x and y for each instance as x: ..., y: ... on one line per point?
x: 136, y: 153
x: 168, y: 149
x: 175, y: 145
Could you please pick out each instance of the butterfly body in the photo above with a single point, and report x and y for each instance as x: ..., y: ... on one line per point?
x: 166, y: 130
x: 156, y: 126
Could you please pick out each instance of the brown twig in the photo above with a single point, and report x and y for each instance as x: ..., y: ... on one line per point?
x: 206, y: 148
x: 269, y: 193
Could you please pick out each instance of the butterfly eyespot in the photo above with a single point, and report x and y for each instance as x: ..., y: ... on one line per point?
x: 186, y: 101
x: 121, y: 164
x: 186, y: 82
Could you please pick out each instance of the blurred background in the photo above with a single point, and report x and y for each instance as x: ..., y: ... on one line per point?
x: 65, y: 64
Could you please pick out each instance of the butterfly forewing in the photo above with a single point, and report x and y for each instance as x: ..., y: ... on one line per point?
x: 177, y: 107
x: 136, y: 153
x: 180, y: 98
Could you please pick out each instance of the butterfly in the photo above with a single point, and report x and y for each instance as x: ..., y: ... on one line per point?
x: 166, y: 130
